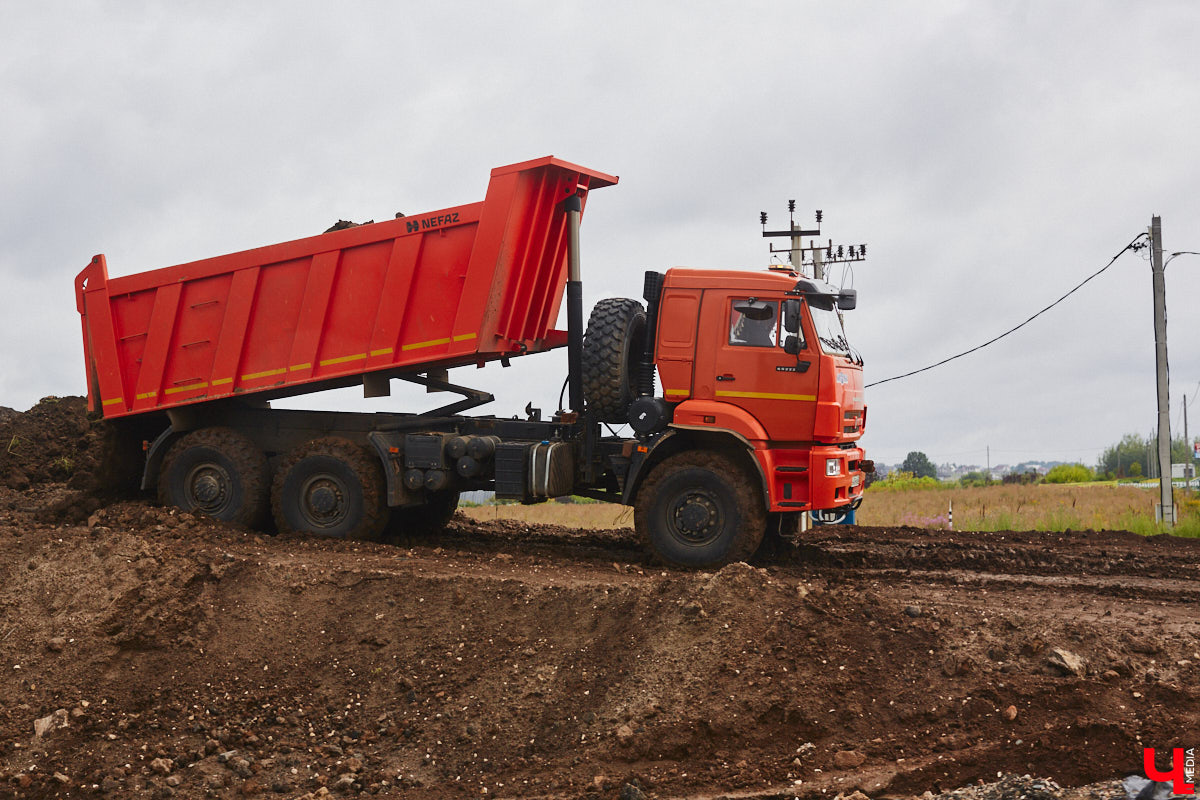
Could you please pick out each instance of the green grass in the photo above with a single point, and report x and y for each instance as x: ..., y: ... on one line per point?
x: 1045, y: 507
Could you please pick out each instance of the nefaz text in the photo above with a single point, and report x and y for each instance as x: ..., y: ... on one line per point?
x: 429, y: 223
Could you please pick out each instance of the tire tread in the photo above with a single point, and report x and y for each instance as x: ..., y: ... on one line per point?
x: 609, y: 357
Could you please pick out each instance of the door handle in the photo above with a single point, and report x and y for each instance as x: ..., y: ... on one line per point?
x: 725, y: 377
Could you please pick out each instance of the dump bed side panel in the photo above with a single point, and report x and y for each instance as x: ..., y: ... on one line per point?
x: 460, y: 285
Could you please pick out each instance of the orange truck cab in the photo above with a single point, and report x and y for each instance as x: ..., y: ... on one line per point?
x: 764, y: 356
x: 757, y: 364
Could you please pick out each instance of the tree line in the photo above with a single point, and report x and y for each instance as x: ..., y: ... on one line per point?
x: 1132, y: 457
x: 1136, y: 457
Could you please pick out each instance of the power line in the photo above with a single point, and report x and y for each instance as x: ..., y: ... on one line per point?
x: 1131, y: 246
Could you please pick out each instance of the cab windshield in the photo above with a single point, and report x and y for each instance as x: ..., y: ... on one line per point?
x: 829, y: 328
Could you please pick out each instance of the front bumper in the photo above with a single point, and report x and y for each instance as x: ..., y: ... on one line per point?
x: 820, y: 477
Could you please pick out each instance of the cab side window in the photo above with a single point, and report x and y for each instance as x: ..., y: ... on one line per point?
x: 754, y: 323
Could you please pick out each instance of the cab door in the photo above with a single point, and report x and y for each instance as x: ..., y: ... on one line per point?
x: 751, y: 365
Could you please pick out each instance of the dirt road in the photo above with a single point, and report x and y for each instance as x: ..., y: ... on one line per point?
x: 161, y: 655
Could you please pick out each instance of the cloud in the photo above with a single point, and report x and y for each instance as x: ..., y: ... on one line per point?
x: 991, y: 155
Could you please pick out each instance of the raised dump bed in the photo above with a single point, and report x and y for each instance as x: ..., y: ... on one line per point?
x: 461, y: 285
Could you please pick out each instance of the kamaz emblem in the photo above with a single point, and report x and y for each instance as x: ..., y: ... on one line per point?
x: 842, y: 379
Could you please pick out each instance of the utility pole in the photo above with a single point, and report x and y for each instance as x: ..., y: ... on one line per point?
x: 822, y: 255
x: 1165, y: 510
x: 1190, y: 470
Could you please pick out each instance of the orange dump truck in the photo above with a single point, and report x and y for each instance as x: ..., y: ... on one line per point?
x: 760, y: 406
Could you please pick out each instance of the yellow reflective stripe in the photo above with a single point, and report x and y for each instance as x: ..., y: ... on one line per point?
x: 677, y: 391
x: 296, y: 367
x: 767, y: 396
x: 462, y: 337
x: 342, y: 359
x: 189, y: 388
x: 430, y: 343
x: 222, y: 381
x: 144, y: 395
x: 266, y: 374
x: 114, y: 401
x: 383, y: 351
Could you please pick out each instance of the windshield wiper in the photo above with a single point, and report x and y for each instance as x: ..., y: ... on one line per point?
x: 839, y: 344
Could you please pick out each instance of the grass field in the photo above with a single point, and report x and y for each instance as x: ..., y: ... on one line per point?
x: 987, y: 508
x: 571, y: 515
x: 1030, y: 507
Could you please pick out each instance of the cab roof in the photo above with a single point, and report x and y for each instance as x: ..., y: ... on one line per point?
x: 767, y: 280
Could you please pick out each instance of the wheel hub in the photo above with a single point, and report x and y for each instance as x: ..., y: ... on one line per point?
x: 208, y: 488
x: 324, y: 501
x: 696, y: 517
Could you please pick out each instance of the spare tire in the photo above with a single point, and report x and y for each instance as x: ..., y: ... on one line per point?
x: 612, y: 347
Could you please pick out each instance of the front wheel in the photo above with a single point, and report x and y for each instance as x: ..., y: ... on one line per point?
x: 700, y: 509
x: 330, y: 487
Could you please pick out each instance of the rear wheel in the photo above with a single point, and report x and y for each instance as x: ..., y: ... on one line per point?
x: 700, y: 509
x: 217, y: 472
x: 330, y: 487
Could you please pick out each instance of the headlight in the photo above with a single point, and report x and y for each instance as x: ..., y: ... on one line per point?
x: 833, y: 466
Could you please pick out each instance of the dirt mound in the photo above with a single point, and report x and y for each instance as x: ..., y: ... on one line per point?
x: 53, y: 441
x: 159, y: 653
x: 71, y: 462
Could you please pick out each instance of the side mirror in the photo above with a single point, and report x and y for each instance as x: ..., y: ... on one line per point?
x: 791, y: 345
x: 847, y: 299
x: 791, y: 316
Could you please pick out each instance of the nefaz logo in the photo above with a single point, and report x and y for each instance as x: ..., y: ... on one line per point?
x: 429, y: 223
x: 1183, y: 769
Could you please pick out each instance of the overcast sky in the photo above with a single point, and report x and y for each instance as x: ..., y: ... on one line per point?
x: 992, y: 155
